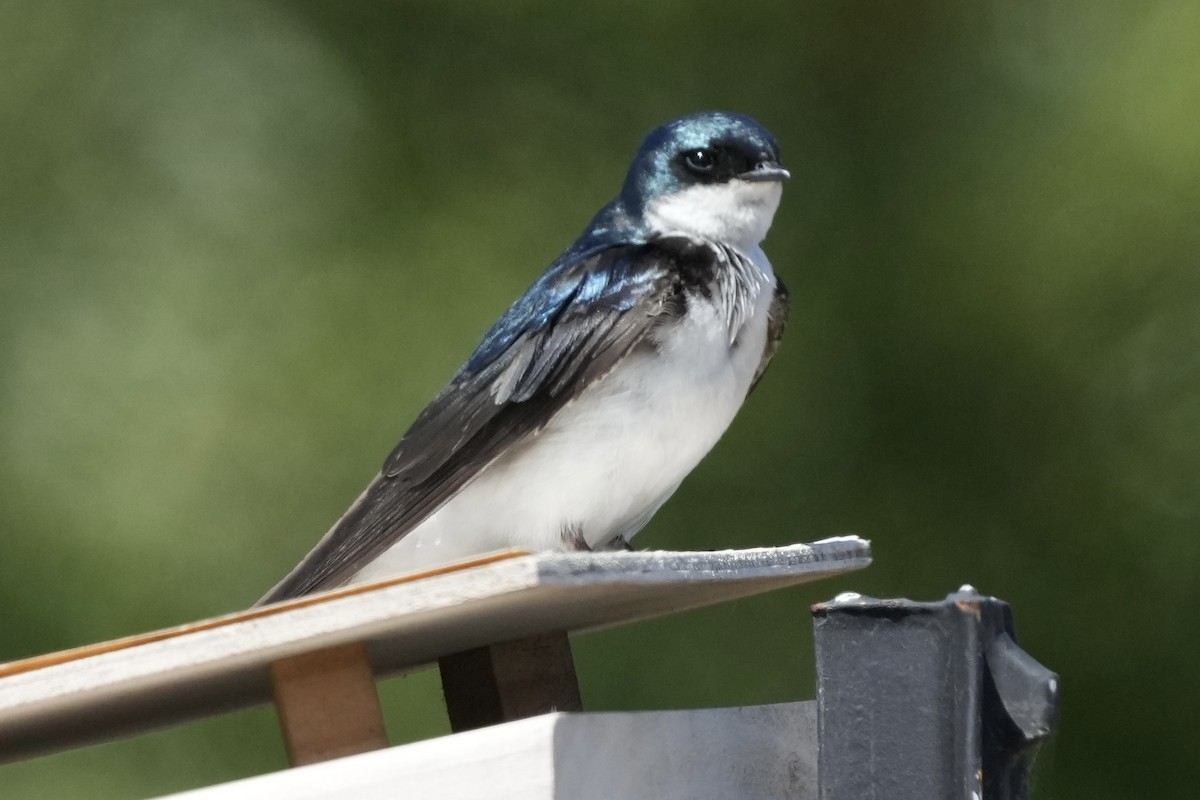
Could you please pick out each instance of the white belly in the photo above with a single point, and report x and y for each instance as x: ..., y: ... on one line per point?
x: 607, y: 461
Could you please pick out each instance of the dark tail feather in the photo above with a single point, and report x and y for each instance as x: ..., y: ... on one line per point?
x: 342, y: 551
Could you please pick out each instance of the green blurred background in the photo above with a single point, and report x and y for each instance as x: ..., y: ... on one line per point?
x: 243, y: 242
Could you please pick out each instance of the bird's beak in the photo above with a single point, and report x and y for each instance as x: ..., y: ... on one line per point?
x: 766, y: 171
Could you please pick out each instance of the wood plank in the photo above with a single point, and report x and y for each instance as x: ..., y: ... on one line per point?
x: 221, y: 664
x: 709, y: 754
x: 327, y: 704
x: 112, y: 645
x: 509, y: 681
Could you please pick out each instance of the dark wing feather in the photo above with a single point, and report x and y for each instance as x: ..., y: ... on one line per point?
x: 567, y: 331
x: 777, y: 319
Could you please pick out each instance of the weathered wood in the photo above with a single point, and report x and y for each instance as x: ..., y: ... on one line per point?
x: 510, y: 680
x: 706, y: 754
x: 327, y: 704
x: 120, y: 688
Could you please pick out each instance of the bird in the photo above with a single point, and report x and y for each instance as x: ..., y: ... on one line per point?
x: 602, y: 387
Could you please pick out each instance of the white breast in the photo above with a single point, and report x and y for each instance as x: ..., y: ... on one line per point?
x: 606, y: 462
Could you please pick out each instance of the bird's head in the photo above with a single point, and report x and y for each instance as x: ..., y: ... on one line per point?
x: 715, y: 175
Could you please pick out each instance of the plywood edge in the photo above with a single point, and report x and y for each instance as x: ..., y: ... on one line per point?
x: 552, y: 568
x: 823, y: 558
x: 99, y: 648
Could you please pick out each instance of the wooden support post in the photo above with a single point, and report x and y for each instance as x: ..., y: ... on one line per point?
x: 327, y: 704
x: 510, y: 680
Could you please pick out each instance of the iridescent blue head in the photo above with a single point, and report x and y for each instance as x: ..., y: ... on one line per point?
x: 714, y: 175
x: 702, y: 149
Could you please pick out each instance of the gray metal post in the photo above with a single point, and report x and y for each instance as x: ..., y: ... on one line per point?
x: 927, y: 701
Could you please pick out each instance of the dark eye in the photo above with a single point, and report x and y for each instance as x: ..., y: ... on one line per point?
x: 701, y: 161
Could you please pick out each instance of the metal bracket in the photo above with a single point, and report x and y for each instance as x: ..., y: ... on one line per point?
x: 927, y: 701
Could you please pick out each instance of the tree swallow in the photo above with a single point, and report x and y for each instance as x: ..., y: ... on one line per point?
x: 602, y: 387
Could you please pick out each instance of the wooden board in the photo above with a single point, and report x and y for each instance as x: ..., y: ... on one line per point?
x: 509, y: 680
x: 327, y: 704
x: 756, y: 752
x: 117, y: 688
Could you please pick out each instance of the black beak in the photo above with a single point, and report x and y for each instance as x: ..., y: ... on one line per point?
x: 766, y: 171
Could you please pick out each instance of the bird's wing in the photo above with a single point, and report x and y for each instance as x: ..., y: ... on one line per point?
x: 582, y: 317
x: 777, y: 319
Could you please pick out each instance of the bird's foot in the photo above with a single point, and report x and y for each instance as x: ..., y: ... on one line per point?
x: 619, y: 543
x: 572, y: 538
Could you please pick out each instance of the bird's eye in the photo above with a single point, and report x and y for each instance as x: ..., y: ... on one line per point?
x: 700, y: 161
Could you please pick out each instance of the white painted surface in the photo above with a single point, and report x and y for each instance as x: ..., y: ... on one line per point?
x: 753, y: 753
x: 219, y: 665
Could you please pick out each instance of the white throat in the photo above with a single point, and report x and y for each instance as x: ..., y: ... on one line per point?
x: 738, y: 213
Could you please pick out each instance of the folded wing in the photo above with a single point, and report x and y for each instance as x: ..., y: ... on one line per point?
x: 568, y: 331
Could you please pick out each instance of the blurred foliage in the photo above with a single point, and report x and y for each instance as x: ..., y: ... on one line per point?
x: 244, y: 242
